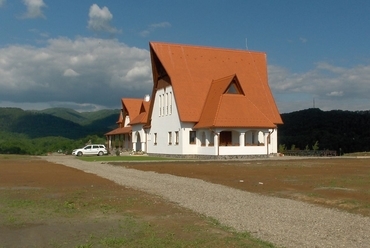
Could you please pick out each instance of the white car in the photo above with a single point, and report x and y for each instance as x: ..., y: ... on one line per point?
x: 94, y: 149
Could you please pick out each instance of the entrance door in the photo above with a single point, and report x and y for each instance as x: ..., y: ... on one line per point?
x: 138, y: 142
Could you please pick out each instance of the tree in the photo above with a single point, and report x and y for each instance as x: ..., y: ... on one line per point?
x: 315, y: 147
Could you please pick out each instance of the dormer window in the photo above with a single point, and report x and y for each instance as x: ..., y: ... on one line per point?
x: 233, y: 88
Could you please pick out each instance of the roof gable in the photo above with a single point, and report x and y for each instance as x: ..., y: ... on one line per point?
x: 192, y: 69
x: 143, y: 115
x: 131, y: 107
x: 222, y: 109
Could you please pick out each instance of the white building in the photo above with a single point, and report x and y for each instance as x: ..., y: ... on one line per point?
x: 205, y: 101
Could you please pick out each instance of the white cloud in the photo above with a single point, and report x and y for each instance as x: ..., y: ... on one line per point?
x: 335, y: 93
x: 153, y: 27
x: 34, y: 8
x: 333, y: 86
x: 99, y: 20
x: 70, y: 73
x: 84, y: 70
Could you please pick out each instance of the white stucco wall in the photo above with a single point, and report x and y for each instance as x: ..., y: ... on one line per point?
x: 165, y: 119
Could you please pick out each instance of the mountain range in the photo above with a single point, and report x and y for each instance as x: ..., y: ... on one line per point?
x: 345, y: 131
x: 62, y: 122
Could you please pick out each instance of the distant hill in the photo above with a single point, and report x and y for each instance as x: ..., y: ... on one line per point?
x: 57, y: 122
x: 348, y: 131
x: 82, y: 118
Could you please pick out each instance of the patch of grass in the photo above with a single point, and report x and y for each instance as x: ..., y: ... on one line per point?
x: 119, y: 223
x: 357, y: 154
x: 121, y: 158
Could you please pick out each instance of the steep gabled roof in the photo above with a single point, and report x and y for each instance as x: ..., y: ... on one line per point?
x: 136, y: 109
x: 192, y: 69
x: 143, y: 116
x: 224, y: 109
x: 120, y: 118
x: 132, y: 106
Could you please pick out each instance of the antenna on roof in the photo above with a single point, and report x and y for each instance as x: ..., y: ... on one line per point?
x: 246, y: 43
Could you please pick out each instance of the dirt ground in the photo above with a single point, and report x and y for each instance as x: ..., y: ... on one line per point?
x: 342, y: 183
x: 70, y: 208
x: 49, y: 205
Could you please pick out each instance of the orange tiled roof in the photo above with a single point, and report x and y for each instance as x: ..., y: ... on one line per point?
x: 230, y: 110
x: 120, y: 118
x: 120, y: 130
x: 143, y: 116
x: 192, y: 69
x: 137, y: 110
x: 132, y: 105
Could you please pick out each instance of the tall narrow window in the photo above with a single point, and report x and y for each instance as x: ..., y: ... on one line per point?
x: 192, y: 137
x: 166, y: 103
x: 160, y: 105
x: 170, y: 138
x: 155, y: 139
x: 176, y: 137
x: 170, y: 103
x: 163, y: 101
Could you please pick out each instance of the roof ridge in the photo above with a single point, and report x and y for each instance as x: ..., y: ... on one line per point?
x: 206, y: 47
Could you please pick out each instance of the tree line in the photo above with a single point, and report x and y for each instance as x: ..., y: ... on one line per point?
x: 341, y: 131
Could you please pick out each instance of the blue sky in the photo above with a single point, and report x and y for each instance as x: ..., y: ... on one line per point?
x: 87, y: 55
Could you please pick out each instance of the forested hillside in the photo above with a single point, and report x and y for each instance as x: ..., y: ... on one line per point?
x: 38, y: 132
x: 345, y: 131
x: 83, y: 118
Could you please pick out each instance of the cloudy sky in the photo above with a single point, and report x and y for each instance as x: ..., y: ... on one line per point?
x: 87, y: 55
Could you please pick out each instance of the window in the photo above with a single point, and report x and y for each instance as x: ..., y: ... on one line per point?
x: 155, y: 139
x: 163, y: 104
x: 170, y: 138
x: 232, y: 89
x: 166, y: 103
x: 160, y: 105
x: 176, y: 137
x: 170, y: 103
x: 192, y: 137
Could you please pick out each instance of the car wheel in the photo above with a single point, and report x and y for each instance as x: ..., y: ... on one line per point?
x: 100, y: 153
x: 79, y: 154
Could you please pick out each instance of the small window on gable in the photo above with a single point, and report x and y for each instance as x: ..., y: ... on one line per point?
x: 233, y: 88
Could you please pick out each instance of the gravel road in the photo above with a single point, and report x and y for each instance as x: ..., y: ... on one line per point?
x: 284, y: 222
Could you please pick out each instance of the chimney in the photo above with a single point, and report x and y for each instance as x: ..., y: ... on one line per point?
x: 146, y: 98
